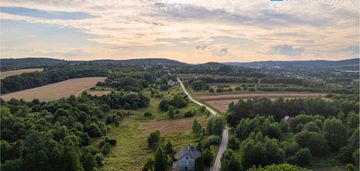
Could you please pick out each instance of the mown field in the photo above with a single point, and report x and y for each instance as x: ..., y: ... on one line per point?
x: 57, y: 90
x: 18, y: 72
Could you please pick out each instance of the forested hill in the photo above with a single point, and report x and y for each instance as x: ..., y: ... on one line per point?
x: 20, y: 63
x: 350, y: 64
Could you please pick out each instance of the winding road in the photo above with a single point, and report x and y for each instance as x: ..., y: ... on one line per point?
x: 225, y: 135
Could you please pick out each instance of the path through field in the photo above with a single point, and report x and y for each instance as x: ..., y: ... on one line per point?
x: 224, y: 140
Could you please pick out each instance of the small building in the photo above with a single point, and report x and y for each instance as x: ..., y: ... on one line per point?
x: 187, y: 158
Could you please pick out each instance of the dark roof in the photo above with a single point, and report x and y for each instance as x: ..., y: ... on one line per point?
x: 191, y: 151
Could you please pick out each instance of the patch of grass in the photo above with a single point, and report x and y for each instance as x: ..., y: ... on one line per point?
x: 180, y: 140
x: 130, y: 152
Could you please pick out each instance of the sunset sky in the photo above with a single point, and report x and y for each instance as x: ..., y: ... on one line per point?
x: 193, y: 31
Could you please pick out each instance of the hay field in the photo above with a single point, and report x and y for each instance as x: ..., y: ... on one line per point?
x: 56, y: 90
x: 18, y: 72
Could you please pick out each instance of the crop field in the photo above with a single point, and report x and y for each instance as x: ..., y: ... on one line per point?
x: 57, y: 90
x: 221, y: 101
x: 18, y: 72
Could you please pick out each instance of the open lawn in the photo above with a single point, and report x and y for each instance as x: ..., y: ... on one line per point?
x: 56, y: 90
x: 18, y: 72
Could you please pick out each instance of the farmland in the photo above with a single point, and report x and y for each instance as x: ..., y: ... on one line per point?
x: 57, y: 90
x: 18, y: 72
x: 221, y: 101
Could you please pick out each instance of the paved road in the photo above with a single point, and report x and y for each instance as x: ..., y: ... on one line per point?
x: 225, y: 135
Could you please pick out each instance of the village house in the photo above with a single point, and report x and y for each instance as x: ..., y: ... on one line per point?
x: 187, y: 158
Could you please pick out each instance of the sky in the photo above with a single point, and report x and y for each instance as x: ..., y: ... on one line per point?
x: 192, y: 31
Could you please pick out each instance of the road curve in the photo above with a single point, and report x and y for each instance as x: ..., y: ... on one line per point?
x: 225, y: 135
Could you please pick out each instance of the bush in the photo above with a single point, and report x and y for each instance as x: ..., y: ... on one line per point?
x: 214, y: 140
x: 111, y: 141
x: 106, y: 148
x: 109, y: 119
x: 99, y: 157
x: 154, y: 140
x: 94, y: 130
x: 147, y: 114
x: 189, y: 113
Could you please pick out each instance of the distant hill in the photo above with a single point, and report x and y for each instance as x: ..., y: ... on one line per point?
x: 148, y: 61
x: 20, y: 63
x: 349, y: 64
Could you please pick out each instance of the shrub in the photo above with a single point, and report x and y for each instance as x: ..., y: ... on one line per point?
x: 106, y: 148
x: 214, y: 140
x: 189, y: 113
x: 111, y: 141
x: 147, y: 114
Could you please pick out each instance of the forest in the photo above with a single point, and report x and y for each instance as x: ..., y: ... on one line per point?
x: 297, y: 131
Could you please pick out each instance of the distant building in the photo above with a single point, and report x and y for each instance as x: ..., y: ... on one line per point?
x: 187, y: 158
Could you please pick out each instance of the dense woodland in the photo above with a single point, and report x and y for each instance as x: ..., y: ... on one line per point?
x: 293, y: 131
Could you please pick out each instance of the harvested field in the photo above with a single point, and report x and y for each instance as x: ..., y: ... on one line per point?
x: 18, y: 72
x: 57, y: 90
x: 228, y: 96
x: 221, y: 101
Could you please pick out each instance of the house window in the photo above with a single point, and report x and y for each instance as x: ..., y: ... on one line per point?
x: 186, y: 168
x: 187, y: 157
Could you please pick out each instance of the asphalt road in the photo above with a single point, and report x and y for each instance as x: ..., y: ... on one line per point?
x: 225, y: 135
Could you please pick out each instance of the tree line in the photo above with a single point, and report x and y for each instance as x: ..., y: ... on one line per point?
x: 48, y: 76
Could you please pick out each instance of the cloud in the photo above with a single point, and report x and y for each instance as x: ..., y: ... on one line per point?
x: 214, y: 51
x: 130, y: 28
x: 45, y: 14
x: 285, y: 50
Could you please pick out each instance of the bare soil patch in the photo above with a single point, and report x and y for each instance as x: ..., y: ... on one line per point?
x: 18, y: 72
x: 57, y: 90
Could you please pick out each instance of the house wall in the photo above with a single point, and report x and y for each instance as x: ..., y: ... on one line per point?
x: 186, y: 162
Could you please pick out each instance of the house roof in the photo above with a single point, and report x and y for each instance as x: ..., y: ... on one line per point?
x: 189, y: 150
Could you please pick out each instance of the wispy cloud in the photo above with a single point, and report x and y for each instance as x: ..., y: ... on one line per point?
x: 285, y: 50
x: 232, y: 30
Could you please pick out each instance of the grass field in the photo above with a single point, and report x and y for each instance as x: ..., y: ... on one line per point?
x: 57, y: 90
x: 18, y: 72
x: 131, y: 151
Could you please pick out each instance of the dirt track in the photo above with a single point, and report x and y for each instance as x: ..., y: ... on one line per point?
x: 208, y: 97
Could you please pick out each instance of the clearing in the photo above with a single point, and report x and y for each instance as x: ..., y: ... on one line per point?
x: 131, y: 151
x: 56, y: 90
x: 5, y: 74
